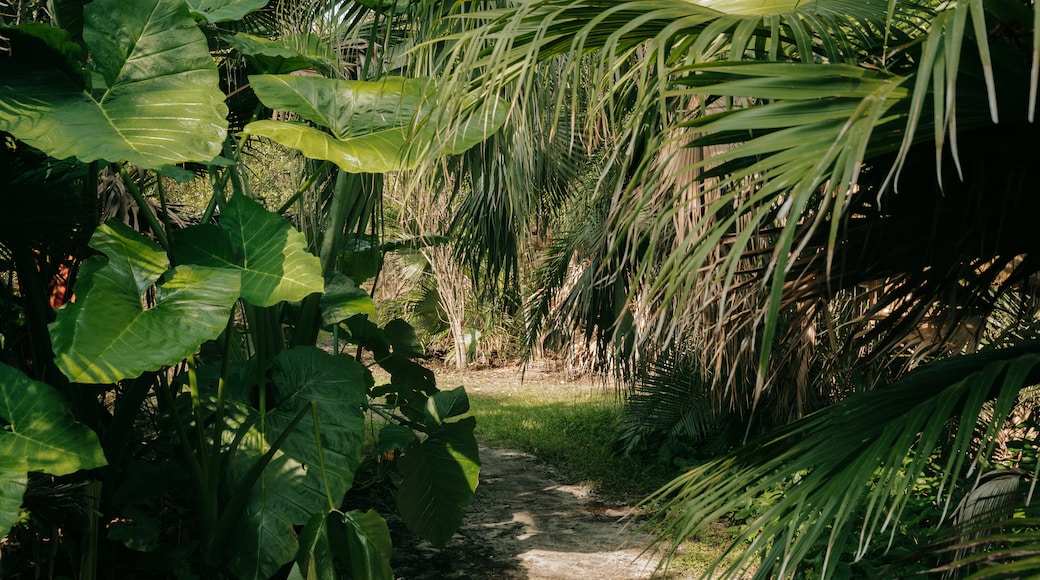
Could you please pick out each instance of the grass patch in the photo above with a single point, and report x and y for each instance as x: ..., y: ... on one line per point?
x: 573, y: 432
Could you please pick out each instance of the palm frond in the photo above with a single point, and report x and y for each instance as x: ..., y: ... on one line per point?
x: 868, y: 450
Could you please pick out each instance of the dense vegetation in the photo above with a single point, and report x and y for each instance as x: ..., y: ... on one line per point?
x: 804, y: 244
x: 167, y: 408
x: 800, y: 232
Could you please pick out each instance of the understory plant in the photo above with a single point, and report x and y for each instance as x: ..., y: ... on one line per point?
x: 174, y: 384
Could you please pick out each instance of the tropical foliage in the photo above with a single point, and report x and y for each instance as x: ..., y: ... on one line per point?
x: 168, y: 375
x: 808, y: 200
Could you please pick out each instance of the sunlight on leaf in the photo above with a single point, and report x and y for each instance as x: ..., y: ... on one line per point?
x: 109, y: 333
x: 156, y: 100
x: 270, y: 254
x: 214, y: 11
x: 375, y: 126
x: 41, y: 428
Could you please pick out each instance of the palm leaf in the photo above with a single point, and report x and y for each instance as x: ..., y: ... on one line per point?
x: 866, y: 452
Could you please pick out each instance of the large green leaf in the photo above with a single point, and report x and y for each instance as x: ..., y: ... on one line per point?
x: 155, y: 98
x: 14, y: 477
x: 113, y: 332
x: 287, y: 54
x: 337, y: 386
x: 270, y: 254
x: 445, y: 405
x: 366, y: 539
x: 344, y: 299
x: 304, y: 474
x: 375, y: 127
x: 213, y: 11
x: 440, y: 476
x: 41, y: 429
x: 263, y: 539
x: 40, y: 435
x: 314, y: 561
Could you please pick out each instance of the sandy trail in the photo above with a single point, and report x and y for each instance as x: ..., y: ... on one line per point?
x: 524, y: 523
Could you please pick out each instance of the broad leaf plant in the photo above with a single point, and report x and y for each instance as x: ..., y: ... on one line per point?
x: 208, y: 332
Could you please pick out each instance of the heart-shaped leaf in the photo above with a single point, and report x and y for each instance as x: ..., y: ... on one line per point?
x: 337, y: 386
x: 293, y: 486
x: 113, y: 331
x: 361, y: 540
x: 375, y: 126
x: 344, y: 299
x: 214, y: 11
x: 440, y: 476
x: 444, y: 405
x: 270, y: 254
x: 14, y: 477
x: 263, y: 539
x: 40, y: 435
x: 156, y: 98
x: 287, y: 54
x: 41, y: 428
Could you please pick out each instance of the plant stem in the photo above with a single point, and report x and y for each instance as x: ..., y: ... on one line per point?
x: 309, y: 183
x: 238, y: 185
x: 207, y: 502
x: 88, y: 563
x: 321, y: 455
x: 307, y: 324
x: 116, y: 440
x: 218, y: 423
x: 196, y: 409
x: 146, y: 209
x: 216, y: 201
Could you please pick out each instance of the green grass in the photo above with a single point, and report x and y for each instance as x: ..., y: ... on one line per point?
x: 573, y: 433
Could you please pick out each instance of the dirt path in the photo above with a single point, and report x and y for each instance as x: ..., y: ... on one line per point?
x: 524, y: 523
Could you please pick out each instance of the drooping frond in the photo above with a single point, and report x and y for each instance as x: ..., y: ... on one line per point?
x: 856, y: 461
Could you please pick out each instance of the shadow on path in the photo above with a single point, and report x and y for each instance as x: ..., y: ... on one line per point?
x: 524, y: 524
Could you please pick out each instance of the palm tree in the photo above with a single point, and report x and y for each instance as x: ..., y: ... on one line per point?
x: 866, y: 210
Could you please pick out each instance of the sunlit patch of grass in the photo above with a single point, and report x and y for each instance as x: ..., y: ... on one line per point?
x: 574, y: 434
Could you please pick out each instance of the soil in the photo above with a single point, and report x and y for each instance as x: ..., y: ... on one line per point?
x: 525, y: 523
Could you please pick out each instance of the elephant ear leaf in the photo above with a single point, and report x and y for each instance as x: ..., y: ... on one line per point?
x: 14, y: 478
x: 118, y: 328
x: 360, y: 540
x: 286, y: 54
x: 440, y: 475
x: 40, y: 435
x: 214, y: 11
x: 373, y: 126
x: 320, y: 416
x: 269, y: 253
x: 154, y: 99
